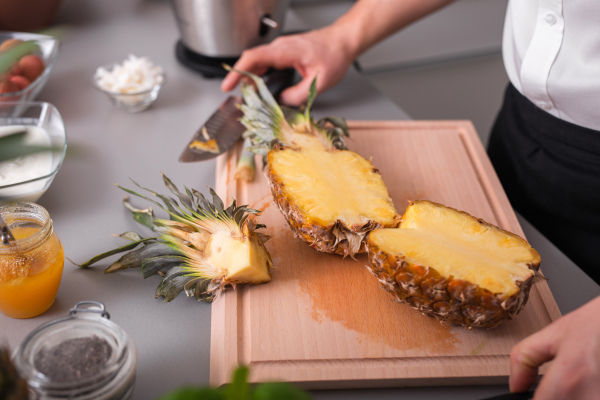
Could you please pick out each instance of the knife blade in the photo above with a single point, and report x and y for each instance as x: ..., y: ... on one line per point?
x: 218, y: 134
x: 223, y: 128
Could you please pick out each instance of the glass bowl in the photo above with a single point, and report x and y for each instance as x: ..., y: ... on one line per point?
x: 48, y: 51
x: 135, y: 101
x: 26, y: 178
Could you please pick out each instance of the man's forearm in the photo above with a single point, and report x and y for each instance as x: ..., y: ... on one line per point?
x: 370, y: 21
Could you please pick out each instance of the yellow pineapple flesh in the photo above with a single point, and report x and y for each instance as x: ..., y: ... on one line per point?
x: 453, y: 266
x: 239, y: 260
x: 331, y: 198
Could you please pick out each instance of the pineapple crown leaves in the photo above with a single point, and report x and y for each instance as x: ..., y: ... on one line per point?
x: 269, y: 125
x: 262, y: 115
x: 195, y: 214
x: 177, y: 254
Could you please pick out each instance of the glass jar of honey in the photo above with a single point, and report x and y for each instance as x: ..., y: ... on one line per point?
x: 31, y: 266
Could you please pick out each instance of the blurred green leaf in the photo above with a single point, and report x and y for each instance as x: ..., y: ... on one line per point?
x: 238, y: 388
x: 278, y: 390
x: 13, y: 146
x: 189, y: 393
x: 10, y: 56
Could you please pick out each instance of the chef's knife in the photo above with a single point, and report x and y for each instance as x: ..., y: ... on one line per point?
x: 218, y: 134
x: 223, y: 128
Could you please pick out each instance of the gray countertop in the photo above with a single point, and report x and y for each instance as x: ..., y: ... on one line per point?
x: 108, y: 146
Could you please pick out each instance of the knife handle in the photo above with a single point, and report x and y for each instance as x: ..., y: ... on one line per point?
x: 512, y: 396
x: 279, y: 79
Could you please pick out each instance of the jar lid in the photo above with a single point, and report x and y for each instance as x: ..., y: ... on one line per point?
x: 77, y: 354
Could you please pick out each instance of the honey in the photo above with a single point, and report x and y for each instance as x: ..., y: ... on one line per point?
x: 31, y: 266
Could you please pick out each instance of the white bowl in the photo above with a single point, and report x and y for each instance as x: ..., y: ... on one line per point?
x: 26, y: 178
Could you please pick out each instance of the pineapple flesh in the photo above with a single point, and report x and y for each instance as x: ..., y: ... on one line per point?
x: 453, y: 266
x: 331, y: 197
x: 240, y: 260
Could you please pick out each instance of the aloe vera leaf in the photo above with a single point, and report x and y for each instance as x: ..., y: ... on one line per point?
x: 118, y: 250
x: 134, y: 258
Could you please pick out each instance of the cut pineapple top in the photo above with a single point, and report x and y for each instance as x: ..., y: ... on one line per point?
x: 331, y: 185
x: 240, y: 260
x: 455, y: 243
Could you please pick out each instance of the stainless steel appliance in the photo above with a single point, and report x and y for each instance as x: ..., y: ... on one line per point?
x: 217, y: 31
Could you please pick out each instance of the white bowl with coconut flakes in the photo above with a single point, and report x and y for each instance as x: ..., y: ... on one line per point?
x: 132, y: 85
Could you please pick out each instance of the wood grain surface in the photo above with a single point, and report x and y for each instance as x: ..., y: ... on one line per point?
x: 324, y: 322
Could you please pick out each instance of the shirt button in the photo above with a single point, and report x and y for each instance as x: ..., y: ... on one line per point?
x: 550, y: 19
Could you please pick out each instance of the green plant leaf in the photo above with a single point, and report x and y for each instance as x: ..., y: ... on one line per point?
x: 13, y: 146
x: 238, y: 389
x: 190, y: 393
x: 14, y: 54
x: 278, y: 390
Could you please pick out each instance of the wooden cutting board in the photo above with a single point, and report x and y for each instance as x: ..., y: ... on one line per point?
x: 324, y: 322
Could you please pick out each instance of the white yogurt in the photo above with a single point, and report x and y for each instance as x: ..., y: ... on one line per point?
x: 25, y: 168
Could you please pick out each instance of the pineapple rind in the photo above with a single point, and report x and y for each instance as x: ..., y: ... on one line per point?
x: 444, y: 297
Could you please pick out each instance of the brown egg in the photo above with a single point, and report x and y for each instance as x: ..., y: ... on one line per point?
x: 31, y: 67
x: 7, y: 44
x: 20, y: 81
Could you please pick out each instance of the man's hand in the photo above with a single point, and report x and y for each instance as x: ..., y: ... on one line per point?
x: 329, y: 51
x: 573, y: 344
x: 312, y: 53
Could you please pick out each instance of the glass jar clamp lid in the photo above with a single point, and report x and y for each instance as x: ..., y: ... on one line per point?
x: 81, y: 356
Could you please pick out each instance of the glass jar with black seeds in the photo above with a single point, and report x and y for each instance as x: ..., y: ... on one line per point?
x: 83, y: 356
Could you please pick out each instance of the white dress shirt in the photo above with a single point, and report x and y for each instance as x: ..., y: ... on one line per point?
x: 551, y: 51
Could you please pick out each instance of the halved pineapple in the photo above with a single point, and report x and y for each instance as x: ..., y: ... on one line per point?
x: 331, y: 197
x: 453, y: 266
x: 202, y: 248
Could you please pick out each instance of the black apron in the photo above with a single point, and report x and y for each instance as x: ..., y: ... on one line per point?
x: 550, y: 170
